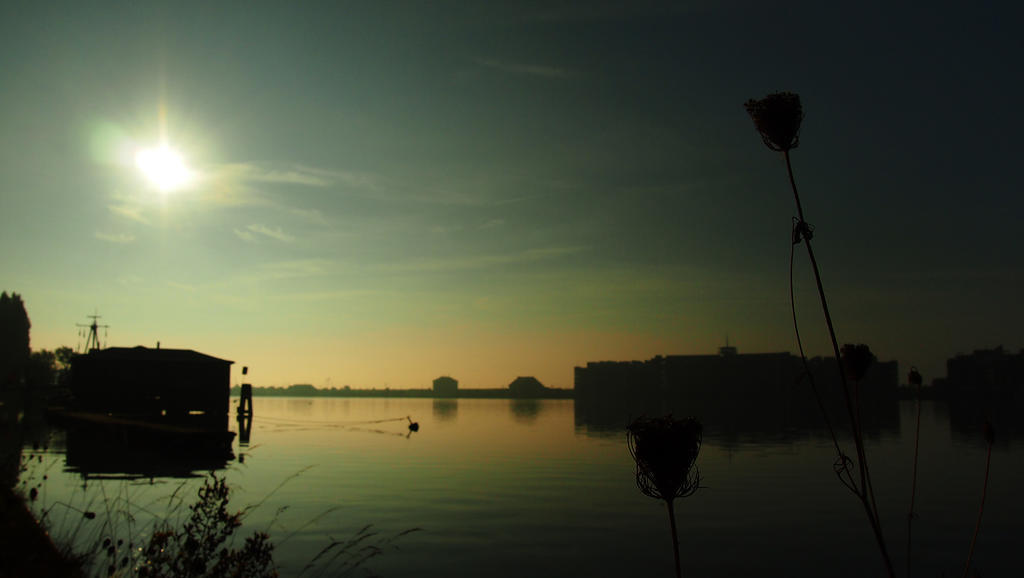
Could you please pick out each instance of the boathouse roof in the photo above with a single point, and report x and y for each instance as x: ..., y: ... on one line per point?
x: 140, y: 353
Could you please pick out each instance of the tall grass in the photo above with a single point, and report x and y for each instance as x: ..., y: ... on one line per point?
x: 189, y: 533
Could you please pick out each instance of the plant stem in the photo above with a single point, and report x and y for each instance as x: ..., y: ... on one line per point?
x: 981, y: 510
x: 866, y: 494
x: 675, y: 536
x: 913, y: 478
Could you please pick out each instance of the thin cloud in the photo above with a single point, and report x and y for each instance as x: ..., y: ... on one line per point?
x: 237, y: 184
x: 255, y: 173
x: 524, y: 69
x: 250, y: 233
x: 609, y: 10
x: 131, y: 212
x: 444, y: 230
x: 245, y: 235
x: 181, y: 286
x: 314, y: 216
x: 295, y: 269
x: 337, y: 295
x: 485, y: 261
x: 291, y: 178
x: 115, y: 237
x: 262, y: 273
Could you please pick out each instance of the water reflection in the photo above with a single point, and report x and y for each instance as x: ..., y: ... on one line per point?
x: 525, y: 410
x: 967, y: 418
x: 759, y: 419
x: 445, y: 409
x: 544, y: 478
x: 732, y: 421
x: 244, y: 428
x: 126, y: 449
x: 121, y: 450
x: 300, y: 405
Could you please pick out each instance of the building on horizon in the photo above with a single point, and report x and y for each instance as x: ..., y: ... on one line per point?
x: 528, y: 386
x: 986, y: 373
x: 446, y: 386
x: 983, y: 387
x: 720, y: 377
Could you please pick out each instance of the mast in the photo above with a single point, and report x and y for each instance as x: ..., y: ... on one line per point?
x: 92, y: 343
x: 727, y: 349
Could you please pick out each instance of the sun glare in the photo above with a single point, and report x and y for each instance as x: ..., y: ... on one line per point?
x: 163, y: 167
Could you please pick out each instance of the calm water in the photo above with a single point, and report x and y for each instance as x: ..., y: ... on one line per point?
x: 514, y: 488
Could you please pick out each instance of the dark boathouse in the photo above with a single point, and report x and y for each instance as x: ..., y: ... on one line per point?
x: 144, y: 381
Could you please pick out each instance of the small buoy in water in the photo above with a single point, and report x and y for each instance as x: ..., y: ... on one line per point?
x: 413, y: 425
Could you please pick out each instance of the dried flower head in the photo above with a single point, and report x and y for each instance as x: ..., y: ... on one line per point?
x: 665, y: 450
x: 856, y: 360
x: 777, y: 117
x: 989, y: 432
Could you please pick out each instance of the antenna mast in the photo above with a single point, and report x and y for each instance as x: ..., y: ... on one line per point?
x: 93, y: 341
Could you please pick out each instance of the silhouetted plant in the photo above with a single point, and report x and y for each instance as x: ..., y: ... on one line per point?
x: 665, y: 451
x: 856, y: 360
x: 914, y: 379
x: 777, y: 118
x: 990, y: 434
x: 187, y: 540
x: 198, y: 549
x: 344, y: 556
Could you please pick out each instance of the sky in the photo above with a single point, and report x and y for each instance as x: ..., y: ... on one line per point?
x: 380, y: 193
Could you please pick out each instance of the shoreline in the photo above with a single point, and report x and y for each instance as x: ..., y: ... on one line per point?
x: 551, y: 393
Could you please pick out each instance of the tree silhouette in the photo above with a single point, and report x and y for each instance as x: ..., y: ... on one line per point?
x: 14, y: 339
x: 41, y: 369
x: 64, y: 355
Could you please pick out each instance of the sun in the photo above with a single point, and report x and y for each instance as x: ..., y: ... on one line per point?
x: 163, y: 167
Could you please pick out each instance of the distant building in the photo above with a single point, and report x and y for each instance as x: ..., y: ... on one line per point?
x: 139, y: 380
x: 527, y: 387
x: 881, y: 381
x: 446, y: 386
x: 716, y: 377
x: 608, y: 380
x: 992, y: 373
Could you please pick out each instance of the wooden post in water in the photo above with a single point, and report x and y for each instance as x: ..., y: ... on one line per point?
x: 245, y: 401
x: 244, y: 429
x: 245, y: 411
